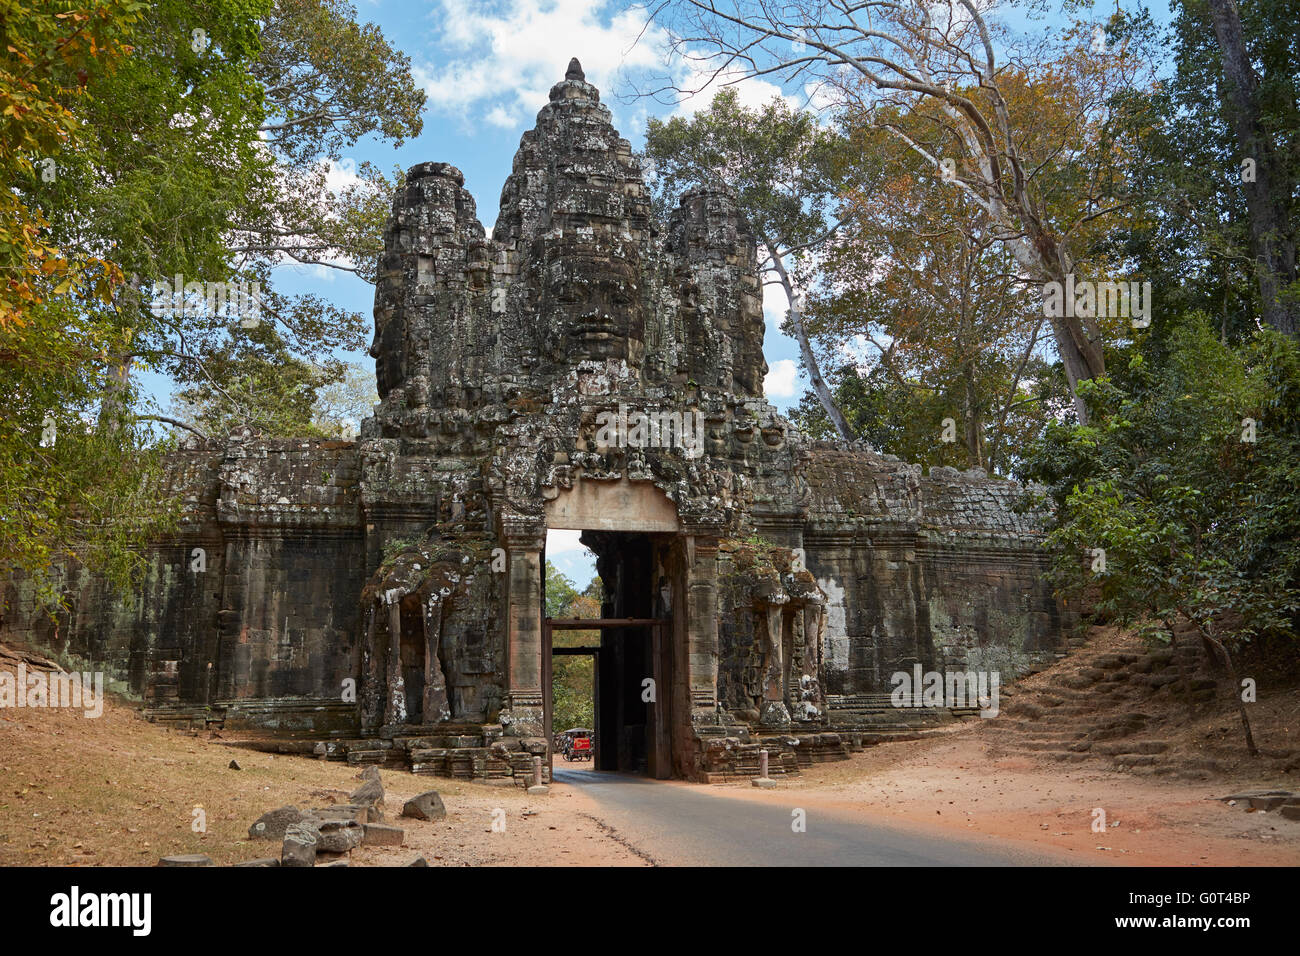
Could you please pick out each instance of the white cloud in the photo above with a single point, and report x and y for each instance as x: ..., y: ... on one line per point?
x: 500, y: 116
x: 751, y: 93
x: 500, y: 60
x: 563, y: 542
x: 781, y: 377
x: 340, y: 174
x: 775, y: 304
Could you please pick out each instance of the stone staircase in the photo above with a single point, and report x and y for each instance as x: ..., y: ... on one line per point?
x: 1104, y: 704
x: 872, y: 718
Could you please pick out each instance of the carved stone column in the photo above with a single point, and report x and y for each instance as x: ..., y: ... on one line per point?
x: 435, y: 684
x: 774, y: 712
x: 702, y: 639
x: 523, y: 715
x: 811, y: 696
x: 395, y: 699
x: 774, y: 669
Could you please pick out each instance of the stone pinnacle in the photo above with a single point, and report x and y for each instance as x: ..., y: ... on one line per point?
x: 574, y: 72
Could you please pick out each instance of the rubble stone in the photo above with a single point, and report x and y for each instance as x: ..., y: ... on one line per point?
x: 425, y: 806
x: 272, y: 825
x: 299, y: 846
x: 378, y: 834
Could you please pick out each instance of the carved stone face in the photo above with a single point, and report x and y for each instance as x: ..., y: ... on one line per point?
x: 593, y: 309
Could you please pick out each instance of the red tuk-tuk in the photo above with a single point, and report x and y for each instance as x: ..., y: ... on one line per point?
x: 578, y: 744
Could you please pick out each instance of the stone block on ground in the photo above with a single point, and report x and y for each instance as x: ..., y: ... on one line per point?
x: 299, y: 846
x: 379, y: 834
x: 350, y: 812
x: 425, y: 806
x: 369, y: 794
x: 339, y: 836
x: 272, y: 825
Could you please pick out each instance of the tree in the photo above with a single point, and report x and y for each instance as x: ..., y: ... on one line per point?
x: 168, y: 154
x: 781, y: 166
x: 572, y: 675
x: 1043, y: 179
x: 136, y: 152
x: 77, y: 482
x: 328, y: 81
x: 1178, y: 503
x: 255, y: 383
x: 50, y: 52
x: 341, y: 406
x: 1263, y: 114
x: 209, y: 157
x: 932, y: 305
x: 560, y: 592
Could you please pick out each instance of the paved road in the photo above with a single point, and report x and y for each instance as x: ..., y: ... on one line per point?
x: 676, y: 825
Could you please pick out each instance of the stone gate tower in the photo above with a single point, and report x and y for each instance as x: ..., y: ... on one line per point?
x: 584, y: 368
x: 556, y: 376
x: 587, y: 368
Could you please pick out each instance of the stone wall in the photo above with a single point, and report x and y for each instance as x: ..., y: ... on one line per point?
x: 939, y: 570
x: 254, y: 599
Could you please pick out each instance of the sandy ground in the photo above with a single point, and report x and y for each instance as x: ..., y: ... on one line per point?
x: 558, y: 829
x: 117, y: 790
x: 951, y: 784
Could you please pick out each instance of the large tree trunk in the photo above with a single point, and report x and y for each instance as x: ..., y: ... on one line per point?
x: 818, y: 383
x: 1217, y: 647
x: 1076, y: 343
x: 1269, y: 194
x: 974, y: 425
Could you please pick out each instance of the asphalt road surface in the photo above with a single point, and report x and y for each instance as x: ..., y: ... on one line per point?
x: 676, y: 825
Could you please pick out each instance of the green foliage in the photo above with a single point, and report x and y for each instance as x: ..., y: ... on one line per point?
x: 906, y: 418
x: 1192, y: 238
x: 330, y: 80
x: 1197, y: 525
x: 572, y: 699
x: 49, y: 53
x: 946, y: 341
x: 560, y: 592
x: 1197, y: 522
x: 254, y: 381
x: 779, y: 162
x: 79, y: 477
x: 191, y: 138
x: 341, y: 405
